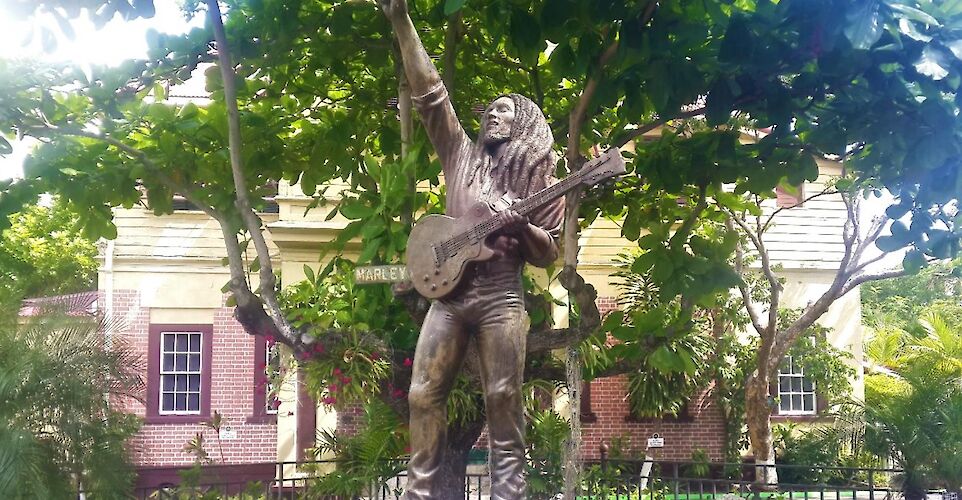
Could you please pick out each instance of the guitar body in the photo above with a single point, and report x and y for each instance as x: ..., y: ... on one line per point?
x: 435, y: 272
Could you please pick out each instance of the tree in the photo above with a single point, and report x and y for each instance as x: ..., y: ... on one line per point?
x: 57, y: 431
x: 777, y: 333
x: 42, y: 253
x: 899, y: 302
x: 299, y: 92
x: 913, y: 405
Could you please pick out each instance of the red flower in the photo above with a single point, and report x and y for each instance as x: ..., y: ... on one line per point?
x: 330, y: 400
x: 407, y: 449
x: 332, y: 388
x: 319, y: 348
x: 375, y: 356
x: 397, y: 393
x: 304, y: 355
x: 337, y: 371
x: 408, y: 362
x: 345, y: 380
x: 276, y: 404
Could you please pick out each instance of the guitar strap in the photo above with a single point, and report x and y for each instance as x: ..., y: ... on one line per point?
x: 503, y: 203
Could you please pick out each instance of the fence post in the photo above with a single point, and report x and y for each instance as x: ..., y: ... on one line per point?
x: 871, y: 484
x: 603, y: 454
x: 280, y: 489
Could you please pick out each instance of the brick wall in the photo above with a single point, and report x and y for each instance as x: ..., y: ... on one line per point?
x: 232, y: 386
x: 704, y: 429
x: 350, y: 420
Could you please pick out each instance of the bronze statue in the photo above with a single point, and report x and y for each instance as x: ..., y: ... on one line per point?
x: 511, y: 159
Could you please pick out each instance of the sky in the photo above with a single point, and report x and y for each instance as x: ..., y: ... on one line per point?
x: 117, y: 41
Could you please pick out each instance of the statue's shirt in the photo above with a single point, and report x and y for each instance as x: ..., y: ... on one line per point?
x: 461, y: 158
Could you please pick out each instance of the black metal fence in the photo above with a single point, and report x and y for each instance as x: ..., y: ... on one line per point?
x: 650, y: 480
x: 606, y: 479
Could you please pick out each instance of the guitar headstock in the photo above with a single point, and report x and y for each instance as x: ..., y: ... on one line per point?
x: 602, y: 168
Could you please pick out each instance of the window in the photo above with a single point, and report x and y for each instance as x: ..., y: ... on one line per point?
x: 796, y: 394
x: 178, y: 373
x: 267, y: 367
x: 272, y: 362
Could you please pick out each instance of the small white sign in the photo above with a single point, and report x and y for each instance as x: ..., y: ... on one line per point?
x: 227, y: 433
x: 656, y: 441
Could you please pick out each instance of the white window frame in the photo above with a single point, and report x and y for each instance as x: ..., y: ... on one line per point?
x: 199, y: 372
x: 793, y: 383
x: 272, y: 367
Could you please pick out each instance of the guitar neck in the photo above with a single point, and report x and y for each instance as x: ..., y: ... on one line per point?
x: 531, y: 203
x: 546, y: 195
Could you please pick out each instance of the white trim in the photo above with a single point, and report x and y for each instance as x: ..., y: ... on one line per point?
x: 186, y: 371
x: 790, y: 372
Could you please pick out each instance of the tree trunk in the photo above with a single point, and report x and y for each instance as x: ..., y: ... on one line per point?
x: 758, y: 417
x: 572, y: 456
x: 461, y: 439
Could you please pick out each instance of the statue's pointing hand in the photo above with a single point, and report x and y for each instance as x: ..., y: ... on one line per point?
x: 394, y: 9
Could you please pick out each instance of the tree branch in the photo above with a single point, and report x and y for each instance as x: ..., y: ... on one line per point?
x: 743, y: 286
x: 449, y: 60
x: 759, y: 245
x: 251, y: 220
x: 579, y: 114
x: 778, y: 210
x: 865, y: 278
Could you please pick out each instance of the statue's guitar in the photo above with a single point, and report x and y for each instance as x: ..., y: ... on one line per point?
x: 440, y: 247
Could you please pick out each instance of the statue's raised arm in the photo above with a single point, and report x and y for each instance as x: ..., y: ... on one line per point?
x: 427, y: 90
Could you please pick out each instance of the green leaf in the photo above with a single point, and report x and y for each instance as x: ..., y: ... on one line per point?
x: 5, y: 147
x: 309, y: 273
x: 913, y: 14
x: 537, y: 315
x: 649, y: 321
x: 355, y: 209
x: 452, y: 6
x: 896, y: 211
x: 932, y: 151
x: 373, y: 227
x: 613, y: 320
x: 913, y: 261
x: 888, y: 244
x: 737, y: 44
x: 369, y: 251
x: 719, y: 105
x: 664, y: 360
x: 864, y: 28
x: 932, y: 63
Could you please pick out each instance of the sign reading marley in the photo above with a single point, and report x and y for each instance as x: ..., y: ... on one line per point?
x: 381, y: 274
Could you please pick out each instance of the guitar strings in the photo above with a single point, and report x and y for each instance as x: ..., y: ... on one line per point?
x: 456, y: 243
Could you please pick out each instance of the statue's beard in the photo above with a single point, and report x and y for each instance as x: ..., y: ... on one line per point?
x: 496, y: 134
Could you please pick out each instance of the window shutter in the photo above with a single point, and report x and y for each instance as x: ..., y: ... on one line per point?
x: 587, y: 416
x: 786, y: 199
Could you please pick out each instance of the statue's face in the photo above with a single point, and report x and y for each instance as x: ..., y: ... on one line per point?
x: 500, y: 118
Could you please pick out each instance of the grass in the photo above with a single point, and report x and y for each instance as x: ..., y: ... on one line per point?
x: 774, y: 495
